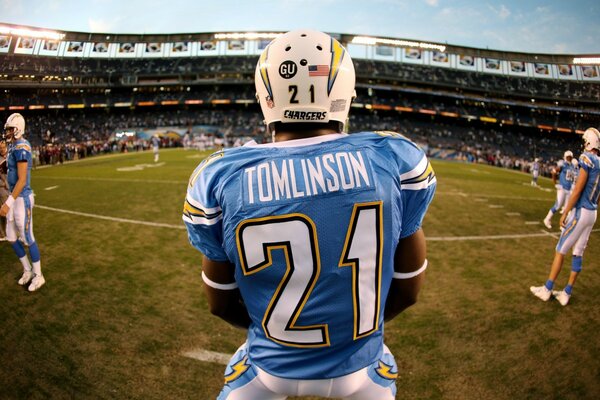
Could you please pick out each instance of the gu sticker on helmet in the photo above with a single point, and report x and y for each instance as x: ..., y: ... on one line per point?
x: 288, y: 69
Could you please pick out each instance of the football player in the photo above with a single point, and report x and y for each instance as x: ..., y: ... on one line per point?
x: 3, y: 184
x: 575, y: 164
x: 535, y: 171
x: 578, y: 223
x: 313, y: 241
x: 155, y: 145
x: 564, y: 171
x: 19, y: 205
x: 575, y: 173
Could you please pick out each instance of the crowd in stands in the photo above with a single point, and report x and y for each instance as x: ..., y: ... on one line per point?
x: 488, y: 83
x: 515, y: 112
x: 68, y: 135
x: 240, y: 69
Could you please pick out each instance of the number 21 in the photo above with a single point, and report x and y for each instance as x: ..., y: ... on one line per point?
x: 293, y: 89
x: 296, y: 235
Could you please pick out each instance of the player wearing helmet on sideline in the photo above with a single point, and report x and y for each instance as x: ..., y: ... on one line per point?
x: 18, y: 208
x: 575, y: 174
x: 575, y: 165
x: 564, y: 171
x: 577, y: 221
x: 312, y: 241
x: 535, y: 171
x: 3, y: 185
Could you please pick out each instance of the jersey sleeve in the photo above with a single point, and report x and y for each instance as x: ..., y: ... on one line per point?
x: 585, y: 163
x: 202, y: 213
x: 22, y: 152
x: 417, y: 183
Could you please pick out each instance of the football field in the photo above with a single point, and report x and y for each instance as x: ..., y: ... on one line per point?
x: 123, y: 315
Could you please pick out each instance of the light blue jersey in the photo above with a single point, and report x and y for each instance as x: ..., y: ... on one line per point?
x: 589, y: 197
x: 19, y: 151
x: 566, y: 175
x: 312, y: 227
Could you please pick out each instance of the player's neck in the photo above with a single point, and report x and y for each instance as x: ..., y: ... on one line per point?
x: 282, y: 136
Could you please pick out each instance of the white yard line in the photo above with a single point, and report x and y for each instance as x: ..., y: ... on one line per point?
x: 181, y: 227
x: 51, y: 187
x: 554, y: 235
x: 485, y: 197
x: 209, y: 356
x: 83, y: 178
x: 492, y: 237
x: 114, y: 219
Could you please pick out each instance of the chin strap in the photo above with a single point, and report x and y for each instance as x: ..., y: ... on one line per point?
x: 273, y: 136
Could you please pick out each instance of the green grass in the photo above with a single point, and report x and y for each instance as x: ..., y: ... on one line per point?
x: 123, y: 301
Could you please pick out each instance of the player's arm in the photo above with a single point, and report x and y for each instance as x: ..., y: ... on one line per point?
x: 21, y: 182
x: 575, y: 194
x: 554, y: 175
x: 224, y: 297
x: 409, y: 274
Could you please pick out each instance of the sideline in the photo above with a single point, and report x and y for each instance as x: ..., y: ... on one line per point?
x: 105, y: 156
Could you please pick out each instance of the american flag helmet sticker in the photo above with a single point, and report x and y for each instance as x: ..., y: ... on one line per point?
x: 318, y: 70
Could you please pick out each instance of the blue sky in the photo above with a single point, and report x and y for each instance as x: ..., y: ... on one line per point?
x: 566, y: 26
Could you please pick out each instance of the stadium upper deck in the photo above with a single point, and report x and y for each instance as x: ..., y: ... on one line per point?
x: 39, y: 42
x: 42, y: 69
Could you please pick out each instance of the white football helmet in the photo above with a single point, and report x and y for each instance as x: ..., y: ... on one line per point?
x: 14, y: 128
x: 591, y: 139
x: 304, y: 76
x: 568, y: 153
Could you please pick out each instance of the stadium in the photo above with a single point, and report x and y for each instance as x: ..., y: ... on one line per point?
x: 123, y: 314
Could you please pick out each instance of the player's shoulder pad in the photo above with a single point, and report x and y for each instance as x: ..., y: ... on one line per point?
x: 407, y: 153
x: 415, y: 169
x: 23, y: 144
x: 201, y: 206
x: 208, y: 166
x: 586, y: 159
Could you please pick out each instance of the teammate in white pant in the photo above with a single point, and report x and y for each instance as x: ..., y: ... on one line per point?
x: 564, y: 172
x: 577, y: 220
x: 19, y: 205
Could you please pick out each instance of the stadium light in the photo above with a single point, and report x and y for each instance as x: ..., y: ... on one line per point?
x: 23, y: 32
x: 247, y: 35
x: 586, y: 60
x: 397, y: 42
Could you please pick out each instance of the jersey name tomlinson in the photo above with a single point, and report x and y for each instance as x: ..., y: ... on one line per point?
x: 292, y: 178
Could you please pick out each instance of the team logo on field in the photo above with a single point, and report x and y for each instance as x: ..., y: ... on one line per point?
x: 288, y: 69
